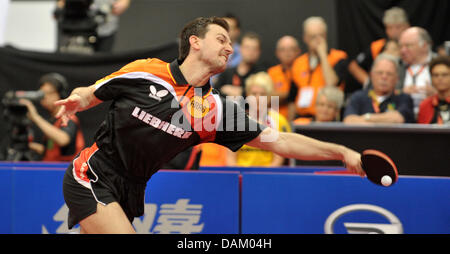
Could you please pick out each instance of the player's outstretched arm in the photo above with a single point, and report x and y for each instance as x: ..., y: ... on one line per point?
x: 80, y: 99
x: 293, y: 145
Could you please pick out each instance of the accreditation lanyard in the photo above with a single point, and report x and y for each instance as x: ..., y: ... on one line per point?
x: 375, y: 104
x: 414, y: 75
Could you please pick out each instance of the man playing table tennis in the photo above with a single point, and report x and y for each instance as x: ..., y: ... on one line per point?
x: 159, y: 109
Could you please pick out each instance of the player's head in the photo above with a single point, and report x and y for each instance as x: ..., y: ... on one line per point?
x: 55, y: 87
x: 206, y: 40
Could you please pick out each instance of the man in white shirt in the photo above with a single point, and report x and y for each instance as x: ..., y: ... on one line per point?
x: 415, y: 50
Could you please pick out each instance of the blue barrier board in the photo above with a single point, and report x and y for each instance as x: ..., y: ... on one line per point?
x: 315, y: 204
x: 175, y: 202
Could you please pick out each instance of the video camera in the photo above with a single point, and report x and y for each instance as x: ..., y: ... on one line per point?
x: 18, y: 124
x: 78, y: 24
x: 15, y: 112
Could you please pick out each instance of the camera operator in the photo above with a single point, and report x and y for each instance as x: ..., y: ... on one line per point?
x: 104, y: 13
x: 61, y: 143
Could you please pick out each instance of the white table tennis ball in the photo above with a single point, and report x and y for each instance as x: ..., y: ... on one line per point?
x: 386, y: 180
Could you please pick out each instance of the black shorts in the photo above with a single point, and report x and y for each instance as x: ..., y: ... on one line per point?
x: 88, y: 182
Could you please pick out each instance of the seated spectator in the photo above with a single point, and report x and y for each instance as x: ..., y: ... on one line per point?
x: 329, y: 103
x: 441, y: 50
x: 259, y: 88
x: 395, y: 21
x: 231, y: 81
x: 61, y: 143
x: 436, y: 109
x: 287, y: 50
x: 415, y: 50
x: 235, y: 31
x: 318, y: 67
x: 380, y: 104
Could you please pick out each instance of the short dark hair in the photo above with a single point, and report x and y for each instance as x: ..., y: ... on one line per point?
x: 58, y: 81
x: 197, y: 27
x: 445, y: 60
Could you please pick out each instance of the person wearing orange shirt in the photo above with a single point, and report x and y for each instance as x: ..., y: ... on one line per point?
x: 315, y: 69
x: 287, y: 50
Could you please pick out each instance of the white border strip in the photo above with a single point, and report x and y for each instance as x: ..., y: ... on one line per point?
x: 143, y: 75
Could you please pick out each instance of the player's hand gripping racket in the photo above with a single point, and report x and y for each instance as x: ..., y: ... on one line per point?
x: 379, y: 168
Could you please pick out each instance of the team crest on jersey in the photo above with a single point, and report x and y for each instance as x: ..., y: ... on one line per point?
x: 198, y: 107
x: 157, y: 95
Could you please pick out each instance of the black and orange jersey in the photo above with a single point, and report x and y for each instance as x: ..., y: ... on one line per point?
x: 155, y: 114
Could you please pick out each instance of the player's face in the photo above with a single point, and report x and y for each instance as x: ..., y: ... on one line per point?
x: 50, y: 96
x: 215, y: 48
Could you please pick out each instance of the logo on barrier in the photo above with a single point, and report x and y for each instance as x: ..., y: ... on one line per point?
x: 395, y: 226
x: 178, y: 218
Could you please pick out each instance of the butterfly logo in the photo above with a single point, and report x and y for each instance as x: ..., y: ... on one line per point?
x: 157, y: 95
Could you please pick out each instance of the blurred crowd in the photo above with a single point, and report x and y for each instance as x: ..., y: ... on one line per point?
x: 400, y: 79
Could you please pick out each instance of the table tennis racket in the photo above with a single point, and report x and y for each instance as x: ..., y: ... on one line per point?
x: 378, y: 165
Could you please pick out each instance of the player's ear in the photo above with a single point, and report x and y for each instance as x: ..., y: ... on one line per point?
x: 194, y: 41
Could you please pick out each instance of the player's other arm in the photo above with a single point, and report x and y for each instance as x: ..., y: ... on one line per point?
x: 80, y: 99
x: 293, y: 145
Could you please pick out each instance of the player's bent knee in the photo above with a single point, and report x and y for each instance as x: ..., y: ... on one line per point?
x: 109, y: 219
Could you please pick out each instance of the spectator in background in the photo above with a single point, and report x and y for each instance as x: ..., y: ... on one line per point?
x: 415, y: 50
x: 61, y: 143
x: 395, y: 21
x: 329, y: 104
x: 441, y: 50
x: 318, y: 67
x: 436, y: 108
x: 287, y: 50
x: 231, y: 81
x: 235, y: 31
x: 106, y: 30
x: 380, y: 104
x: 259, y: 88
